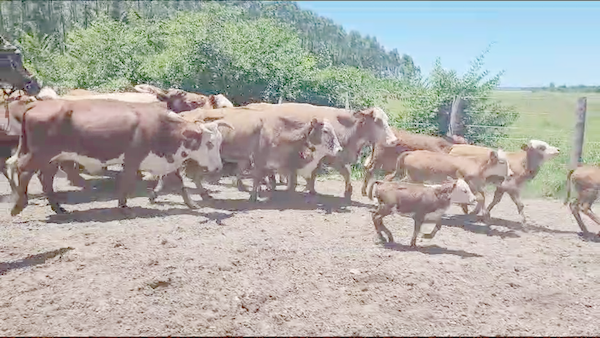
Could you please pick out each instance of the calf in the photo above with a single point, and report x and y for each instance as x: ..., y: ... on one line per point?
x: 524, y: 165
x: 142, y: 135
x: 283, y: 140
x: 418, y: 201
x: 428, y: 166
x: 384, y: 156
x: 586, y: 180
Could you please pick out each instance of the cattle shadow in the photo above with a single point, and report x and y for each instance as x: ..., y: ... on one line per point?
x: 104, y: 215
x: 589, y: 237
x: 467, y: 223
x: 32, y: 260
x: 430, y: 250
x: 525, y: 228
x: 283, y: 200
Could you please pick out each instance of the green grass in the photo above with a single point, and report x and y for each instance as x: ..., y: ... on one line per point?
x: 547, y: 116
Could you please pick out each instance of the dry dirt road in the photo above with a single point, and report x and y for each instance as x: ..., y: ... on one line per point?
x: 288, y: 267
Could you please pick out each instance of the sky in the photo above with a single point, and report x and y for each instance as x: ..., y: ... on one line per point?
x: 533, y: 42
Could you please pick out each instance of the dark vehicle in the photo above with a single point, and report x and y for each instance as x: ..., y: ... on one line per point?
x: 13, y: 76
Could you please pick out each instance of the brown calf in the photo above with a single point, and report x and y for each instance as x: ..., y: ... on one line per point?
x: 586, y: 180
x: 417, y: 200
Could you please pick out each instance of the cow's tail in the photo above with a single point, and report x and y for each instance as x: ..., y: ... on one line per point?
x: 369, y: 159
x: 399, y: 172
x: 568, y: 186
x: 372, y: 184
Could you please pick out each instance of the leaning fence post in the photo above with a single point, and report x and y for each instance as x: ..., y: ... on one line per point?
x: 579, y: 132
x: 455, y: 127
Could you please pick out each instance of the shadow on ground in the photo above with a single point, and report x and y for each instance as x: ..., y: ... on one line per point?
x: 32, y: 260
x: 430, y: 250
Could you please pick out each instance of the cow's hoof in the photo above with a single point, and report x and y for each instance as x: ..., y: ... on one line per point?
x: 59, y: 210
x: 192, y: 205
x: 16, y: 210
x: 206, y: 196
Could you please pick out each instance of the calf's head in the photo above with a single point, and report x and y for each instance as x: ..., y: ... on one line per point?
x: 375, y: 126
x: 179, y: 101
x: 496, y: 165
x: 541, y: 149
x: 458, y: 189
x: 323, y: 140
x: 203, y: 141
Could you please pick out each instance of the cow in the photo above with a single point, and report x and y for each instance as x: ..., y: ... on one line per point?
x: 180, y: 100
x: 282, y: 141
x: 586, y: 180
x: 384, y: 157
x: 422, y: 166
x: 418, y: 200
x: 524, y: 165
x: 269, y: 140
x: 353, y: 129
x: 91, y: 132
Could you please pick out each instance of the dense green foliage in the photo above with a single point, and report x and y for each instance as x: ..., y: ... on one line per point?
x: 249, y: 51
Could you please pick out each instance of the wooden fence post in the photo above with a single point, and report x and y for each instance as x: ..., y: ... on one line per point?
x: 455, y: 125
x: 579, y: 132
x: 347, y: 101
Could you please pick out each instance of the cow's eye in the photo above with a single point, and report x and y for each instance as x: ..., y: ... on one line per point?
x: 209, y: 145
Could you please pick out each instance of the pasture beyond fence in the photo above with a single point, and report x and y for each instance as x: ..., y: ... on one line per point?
x: 565, y: 120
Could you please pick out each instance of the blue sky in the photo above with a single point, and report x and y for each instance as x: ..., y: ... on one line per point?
x: 535, y: 42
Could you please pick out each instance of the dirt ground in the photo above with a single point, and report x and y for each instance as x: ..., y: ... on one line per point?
x: 288, y: 267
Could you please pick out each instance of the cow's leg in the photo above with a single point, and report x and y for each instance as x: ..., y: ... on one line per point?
x: 47, y: 179
x: 127, y: 179
x: 13, y: 186
x: 282, y: 179
x: 574, y: 206
x: 419, y: 219
x: 438, y: 226
x: 377, y: 216
x: 514, y: 195
x: 24, y: 178
x: 242, y: 165
x: 480, y: 198
x: 153, y: 193
x: 257, y: 177
x: 344, y: 170
x: 310, y: 183
x: 71, y: 168
x: 184, y: 192
x: 498, y: 194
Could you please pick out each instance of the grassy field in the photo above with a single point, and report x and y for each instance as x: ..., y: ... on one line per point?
x: 548, y: 116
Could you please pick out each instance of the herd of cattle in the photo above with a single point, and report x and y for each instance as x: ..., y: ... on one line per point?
x: 153, y: 133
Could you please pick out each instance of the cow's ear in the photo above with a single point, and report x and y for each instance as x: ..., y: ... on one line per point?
x: 524, y: 146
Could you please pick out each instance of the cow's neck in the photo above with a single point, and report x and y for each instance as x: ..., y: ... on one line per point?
x: 353, y: 142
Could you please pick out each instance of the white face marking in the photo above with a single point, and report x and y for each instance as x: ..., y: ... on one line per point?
x: 378, y: 113
x: 222, y: 101
x: 502, y: 158
x: 462, y: 193
x: 209, y: 158
x: 544, y: 148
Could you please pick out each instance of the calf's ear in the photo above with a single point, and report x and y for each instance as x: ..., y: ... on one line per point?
x: 524, y: 146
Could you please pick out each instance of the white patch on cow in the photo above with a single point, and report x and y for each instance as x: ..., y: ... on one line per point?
x: 322, y: 150
x: 91, y: 165
x: 503, y: 158
x: 547, y: 150
x: 378, y: 113
x: 209, y: 158
x: 159, y: 166
x: 222, y: 102
x: 461, y: 194
x: 47, y: 93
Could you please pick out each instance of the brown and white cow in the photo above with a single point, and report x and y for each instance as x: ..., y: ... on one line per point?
x: 586, y: 180
x: 353, y: 129
x: 422, y: 166
x: 384, y: 156
x: 142, y: 135
x: 524, y: 165
x: 180, y: 100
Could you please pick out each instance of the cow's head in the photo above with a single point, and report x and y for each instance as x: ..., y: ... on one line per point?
x: 457, y: 189
x: 496, y: 164
x: 178, y: 100
x: 203, y: 142
x: 542, y: 149
x: 32, y: 86
x: 323, y: 139
x: 219, y: 101
x: 375, y: 126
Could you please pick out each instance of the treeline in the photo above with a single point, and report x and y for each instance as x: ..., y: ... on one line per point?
x: 568, y: 89
x: 248, y: 51
x: 318, y: 35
